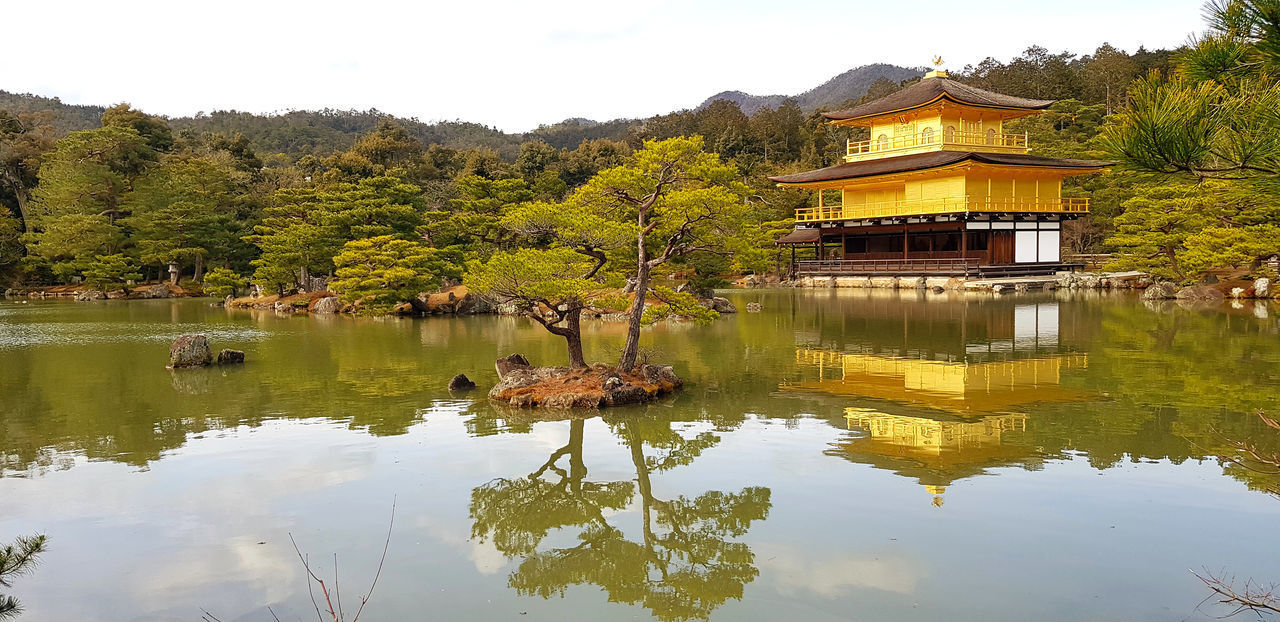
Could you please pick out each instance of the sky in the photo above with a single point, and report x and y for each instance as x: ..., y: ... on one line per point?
x: 515, y: 65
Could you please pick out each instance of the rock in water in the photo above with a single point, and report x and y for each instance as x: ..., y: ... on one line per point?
x: 625, y: 394
x: 753, y: 307
x: 461, y: 383
x: 722, y: 305
x: 230, y: 357
x: 1200, y: 292
x: 657, y: 374
x: 510, y: 362
x: 328, y: 304
x: 1262, y: 288
x: 1159, y: 291
x: 190, y: 351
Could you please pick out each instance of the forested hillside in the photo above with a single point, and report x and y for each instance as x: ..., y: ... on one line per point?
x: 272, y: 196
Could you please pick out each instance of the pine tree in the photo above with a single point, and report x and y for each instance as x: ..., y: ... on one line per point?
x: 17, y: 559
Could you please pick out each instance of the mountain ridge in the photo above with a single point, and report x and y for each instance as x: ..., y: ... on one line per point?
x: 323, y: 131
x: 841, y: 88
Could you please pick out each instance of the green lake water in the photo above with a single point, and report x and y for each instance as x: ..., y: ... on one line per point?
x: 842, y: 455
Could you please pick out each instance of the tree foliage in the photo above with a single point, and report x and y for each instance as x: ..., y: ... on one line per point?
x: 1179, y: 229
x: 90, y: 172
x: 110, y: 270
x: 1215, y: 114
x: 683, y: 200
x: 382, y: 271
x: 304, y: 228
x: 222, y: 282
x: 551, y: 286
x: 16, y: 560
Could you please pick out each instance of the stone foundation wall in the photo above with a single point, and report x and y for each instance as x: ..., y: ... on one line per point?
x: 880, y: 282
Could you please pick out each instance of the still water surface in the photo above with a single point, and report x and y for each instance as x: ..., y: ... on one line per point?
x: 844, y: 455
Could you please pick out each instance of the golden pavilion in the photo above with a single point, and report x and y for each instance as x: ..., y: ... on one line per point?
x: 939, y: 188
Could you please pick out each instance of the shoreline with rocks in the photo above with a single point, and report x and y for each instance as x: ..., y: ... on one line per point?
x: 455, y: 300
x: 80, y: 293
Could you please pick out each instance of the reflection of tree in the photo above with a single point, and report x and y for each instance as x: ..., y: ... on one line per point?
x: 683, y: 567
x: 518, y: 513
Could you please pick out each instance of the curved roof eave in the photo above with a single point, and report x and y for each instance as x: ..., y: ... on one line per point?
x: 933, y: 160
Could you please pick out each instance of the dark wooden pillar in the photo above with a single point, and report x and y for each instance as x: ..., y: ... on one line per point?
x: 905, y: 246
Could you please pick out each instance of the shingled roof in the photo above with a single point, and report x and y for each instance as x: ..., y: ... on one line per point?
x: 930, y: 90
x: 933, y: 159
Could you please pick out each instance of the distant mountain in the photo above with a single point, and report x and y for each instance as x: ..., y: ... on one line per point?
x: 297, y: 132
x: 747, y: 102
x: 849, y: 85
x: 65, y: 117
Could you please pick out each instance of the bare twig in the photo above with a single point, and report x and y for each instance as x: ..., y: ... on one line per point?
x: 307, y: 566
x: 1249, y: 596
x: 386, y: 545
x: 335, y: 586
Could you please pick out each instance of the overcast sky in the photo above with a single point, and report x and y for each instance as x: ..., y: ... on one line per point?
x: 516, y: 65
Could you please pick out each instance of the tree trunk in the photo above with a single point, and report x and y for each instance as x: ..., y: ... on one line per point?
x: 199, y: 269
x: 23, y: 210
x: 632, y: 348
x: 573, y: 335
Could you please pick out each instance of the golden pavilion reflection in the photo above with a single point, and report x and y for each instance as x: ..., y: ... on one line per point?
x: 949, y: 408
x: 954, y: 386
x: 936, y: 447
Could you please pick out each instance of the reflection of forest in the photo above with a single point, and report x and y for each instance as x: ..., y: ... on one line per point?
x: 683, y: 565
x: 1158, y: 385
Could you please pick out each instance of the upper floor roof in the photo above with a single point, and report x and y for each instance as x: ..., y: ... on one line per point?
x: 933, y: 89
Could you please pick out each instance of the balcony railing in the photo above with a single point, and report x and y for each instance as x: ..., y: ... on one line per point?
x: 931, y: 136
x: 948, y: 205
